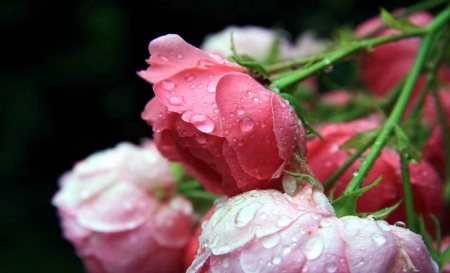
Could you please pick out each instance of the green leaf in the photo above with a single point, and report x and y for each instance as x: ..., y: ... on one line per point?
x: 178, y: 171
x: 383, y: 213
x: 445, y: 258
x: 360, y: 139
x: 427, y: 240
x: 403, y: 145
x: 346, y: 204
x: 400, y: 24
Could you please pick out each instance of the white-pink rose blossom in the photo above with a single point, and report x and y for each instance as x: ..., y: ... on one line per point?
x: 257, y: 42
x: 268, y: 231
x: 119, y: 210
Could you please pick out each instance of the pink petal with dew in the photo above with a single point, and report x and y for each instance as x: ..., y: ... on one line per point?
x: 245, y: 108
x: 370, y: 244
x: 287, y: 127
x: 119, y: 208
x: 170, y: 54
x: 191, y: 93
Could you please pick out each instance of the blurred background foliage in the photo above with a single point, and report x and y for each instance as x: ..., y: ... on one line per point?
x: 69, y: 88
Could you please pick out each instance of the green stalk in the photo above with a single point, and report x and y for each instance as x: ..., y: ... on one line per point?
x: 408, y: 194
x: 402, y: 101
x: 347, y: 164
x: 328, y: 59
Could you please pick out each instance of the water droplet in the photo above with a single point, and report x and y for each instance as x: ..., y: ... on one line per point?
x: 179, y: 56
x: 283, y: 221
x: 255, y: 99
x: 192, y: 86
x: 360, y: 262
x: 240, y: 110
x: 211, y: 87
x: 270, y: 241
x: 327, y: 61
x: 189, y: 77
x: 372, y: 217
x: 331, y: 267
x: 200, y: 86
x: 163, y: 57
x: 201, y: 139
x: 205, y: 62
x: 176, y: 101
x: 400, y: 224
x: 203, y: 123
x: 167, y: 85
x: 247, y: 213
x: 256, y: 194
x: 286, y: 250
x: 355, y: 173
x: 313, y: 247
x: 246, y: 124
x: 378, y: 238
x: 276, y: 260
x: 325, y: 222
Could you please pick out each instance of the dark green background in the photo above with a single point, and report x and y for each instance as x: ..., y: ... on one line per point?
x: 69, y: 88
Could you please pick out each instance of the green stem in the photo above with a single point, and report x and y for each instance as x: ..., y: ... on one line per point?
x: 408, y: 194
x: 402, y: 101
x: 357, y: 154
x: 331, y: 57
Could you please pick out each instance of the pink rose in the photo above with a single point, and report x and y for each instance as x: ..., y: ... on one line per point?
x: 386, y: 65
x: 267, y: 231
x: 325, y: 158
x: 118, y: 209
x: 434, y: 149
x: 228, y: 130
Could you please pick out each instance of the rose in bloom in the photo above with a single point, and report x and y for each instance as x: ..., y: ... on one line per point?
x: 228, y: 130
x: 386, y: 65
x: 267, y: 231
x: 326, y: 157
x: 119, y: 210
x: 257, y: 42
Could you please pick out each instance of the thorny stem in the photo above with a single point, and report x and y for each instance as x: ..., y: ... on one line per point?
x: 402, y: 101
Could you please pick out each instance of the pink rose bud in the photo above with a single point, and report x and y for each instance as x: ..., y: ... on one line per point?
x: 229, y: 131
x: 268, y: 231
x: 118, y: 209
x: 325, y: 158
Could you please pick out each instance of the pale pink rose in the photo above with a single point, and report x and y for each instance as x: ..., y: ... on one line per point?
x: 324, y: 158
x: 267, y: 231
x: 229, y: 131
x: 119, y: 210
x: 257, y: 42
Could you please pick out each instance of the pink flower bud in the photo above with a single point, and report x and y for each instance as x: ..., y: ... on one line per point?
x: 229, y: 131
x: 267, y: 231
x: 118, y: 209
x: 325, y: 158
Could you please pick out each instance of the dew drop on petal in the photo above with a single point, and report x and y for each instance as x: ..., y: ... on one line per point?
x: 163, y: 57
x: 211, y: 87
x: 276, y: 260
x: 240, y: 110
x: 167, y: 85
x: 378, y: 238
x: 270, y: 241
x: 246, y: 214
x: 283, y: 221
x: 176, y: 101
x: 313, y: 248
x: 189, y: 77
x: 192, y: 86
x: 179, y: 56
x: 331, y: 267
x: 201, y: 139
x: 400, y: 224
x: 203, y: 123
x: 205, y: 62
x: 246, y: 124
